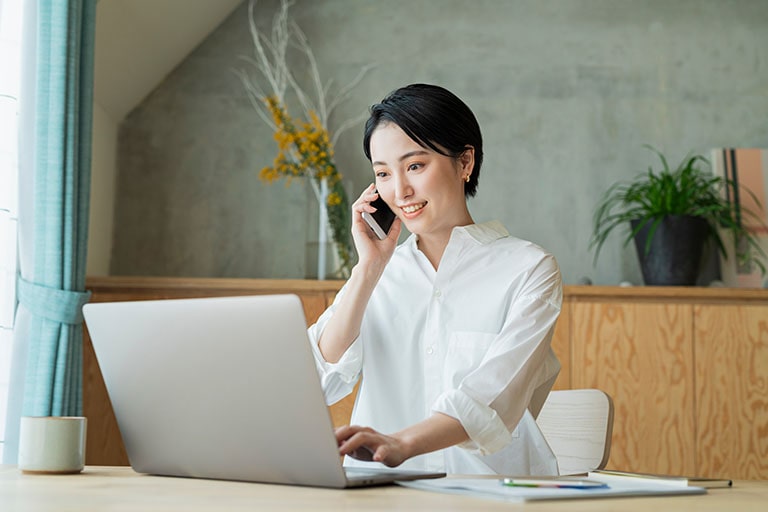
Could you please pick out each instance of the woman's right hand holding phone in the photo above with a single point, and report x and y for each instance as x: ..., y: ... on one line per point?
x: 373, y: 253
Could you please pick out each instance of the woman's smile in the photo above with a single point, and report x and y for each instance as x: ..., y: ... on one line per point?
x: 411, y: 209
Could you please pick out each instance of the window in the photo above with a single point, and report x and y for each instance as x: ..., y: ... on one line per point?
x: 10, y: 70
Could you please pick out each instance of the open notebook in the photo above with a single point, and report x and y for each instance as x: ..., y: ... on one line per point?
x: 222, y: 388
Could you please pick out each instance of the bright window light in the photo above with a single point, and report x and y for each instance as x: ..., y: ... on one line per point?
x: 10, y: 70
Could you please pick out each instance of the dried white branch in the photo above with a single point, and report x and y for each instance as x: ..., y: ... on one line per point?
x: 306, y: 49
x: 255, y: 96
x: 269, y: 59
x: 345, y: 91
x: 316, y: 190
x: 346, y: 125
x: 327, y: 88
x: 269, y: 68
x: 271, y: 64
x: 306, y: 102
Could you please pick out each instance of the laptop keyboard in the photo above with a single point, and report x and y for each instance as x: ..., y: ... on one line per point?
x: 362, y: 472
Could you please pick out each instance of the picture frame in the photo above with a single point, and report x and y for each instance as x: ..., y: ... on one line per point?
x: 748, y: 169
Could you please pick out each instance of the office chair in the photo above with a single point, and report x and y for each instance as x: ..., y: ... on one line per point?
x: 577, y: 424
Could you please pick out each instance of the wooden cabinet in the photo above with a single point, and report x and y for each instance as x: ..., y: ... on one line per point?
x: 642, y: 355
x: 687, y: 368
x: 731, y: 374
x: 104, y: 445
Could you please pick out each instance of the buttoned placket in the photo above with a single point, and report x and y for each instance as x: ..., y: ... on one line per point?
x: 433, y: 362
x: 436, y: 339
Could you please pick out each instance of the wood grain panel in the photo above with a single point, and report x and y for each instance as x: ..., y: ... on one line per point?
x: 341, y: 411
x: 635, y: 343
x: 561, y: 345
x: 641, y: 354
x: 666, y: 294
x: 104, y: 444
x: 732, y: 391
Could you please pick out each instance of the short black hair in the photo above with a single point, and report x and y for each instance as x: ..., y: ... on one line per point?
x: 434, y: 118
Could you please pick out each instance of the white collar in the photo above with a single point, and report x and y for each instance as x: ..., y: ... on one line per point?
x: 483, y: 233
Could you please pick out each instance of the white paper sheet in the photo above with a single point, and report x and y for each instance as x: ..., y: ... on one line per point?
x: 494, y: 489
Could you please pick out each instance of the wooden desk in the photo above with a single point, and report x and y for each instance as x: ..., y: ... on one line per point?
x: 684, y: 366
x: 109, y: 488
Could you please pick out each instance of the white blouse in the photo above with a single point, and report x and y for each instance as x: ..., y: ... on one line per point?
x: 470, y: 340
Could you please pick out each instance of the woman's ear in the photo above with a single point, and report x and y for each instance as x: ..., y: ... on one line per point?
x: 467, y: 160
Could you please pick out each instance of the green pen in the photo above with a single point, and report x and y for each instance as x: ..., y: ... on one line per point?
x: 560, y: 483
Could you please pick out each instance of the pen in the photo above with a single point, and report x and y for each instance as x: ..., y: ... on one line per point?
x: 554, y: 484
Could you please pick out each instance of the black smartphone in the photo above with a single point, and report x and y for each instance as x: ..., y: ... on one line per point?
x: 381, y: 220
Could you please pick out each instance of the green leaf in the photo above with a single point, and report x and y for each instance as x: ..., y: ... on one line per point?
x: 688, y: 189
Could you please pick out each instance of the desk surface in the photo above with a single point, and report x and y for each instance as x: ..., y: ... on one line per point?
x: 116, y: 489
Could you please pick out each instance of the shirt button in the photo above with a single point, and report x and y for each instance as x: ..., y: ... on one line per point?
x: 438, y: 293
x: 430, y: 350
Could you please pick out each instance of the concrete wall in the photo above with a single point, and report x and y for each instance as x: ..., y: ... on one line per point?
x: 566, y: 92
x: 102, y: 207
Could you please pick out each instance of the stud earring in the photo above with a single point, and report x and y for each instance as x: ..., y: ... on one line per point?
x: 466, y: 178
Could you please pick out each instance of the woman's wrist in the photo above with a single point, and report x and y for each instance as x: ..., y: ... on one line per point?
x: 434, y: 433
x: 367, y: 271
x: 408, y: 445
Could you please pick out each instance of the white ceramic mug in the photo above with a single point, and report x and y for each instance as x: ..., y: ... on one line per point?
x: 52, y: 444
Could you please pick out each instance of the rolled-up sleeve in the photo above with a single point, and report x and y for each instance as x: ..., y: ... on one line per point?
x: 337, y: 379
x: 491, y: 399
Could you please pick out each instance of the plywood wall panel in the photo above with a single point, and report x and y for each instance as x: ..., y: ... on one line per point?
x: 732, y: 391
x: 687, y: 367
x: 642, y: 355
x: 561, y: 344
x: 104, y: 445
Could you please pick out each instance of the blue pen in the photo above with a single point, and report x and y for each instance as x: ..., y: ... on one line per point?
x: 554, y: 483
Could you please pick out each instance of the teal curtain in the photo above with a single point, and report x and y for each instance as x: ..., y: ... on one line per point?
x: 52, y: 290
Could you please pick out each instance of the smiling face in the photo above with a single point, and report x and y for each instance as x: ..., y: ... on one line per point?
x: 424, y: 188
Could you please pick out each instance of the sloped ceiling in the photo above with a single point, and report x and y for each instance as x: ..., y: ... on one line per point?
x: 139, y: 42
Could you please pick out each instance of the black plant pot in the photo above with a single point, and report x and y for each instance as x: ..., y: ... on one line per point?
x: 676, y: 249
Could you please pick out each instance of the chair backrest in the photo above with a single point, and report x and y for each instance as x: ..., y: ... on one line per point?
x: 577, y: 424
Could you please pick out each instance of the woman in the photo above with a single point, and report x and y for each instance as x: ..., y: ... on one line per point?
x: 450, y: 330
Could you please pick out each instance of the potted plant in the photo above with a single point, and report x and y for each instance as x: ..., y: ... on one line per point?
x: 671, y: 215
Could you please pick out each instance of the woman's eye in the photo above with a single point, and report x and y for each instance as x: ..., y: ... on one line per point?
x: 414, y: 167
x: 381, y: 174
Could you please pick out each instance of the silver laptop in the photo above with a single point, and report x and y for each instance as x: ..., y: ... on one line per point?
x: 222, y: 388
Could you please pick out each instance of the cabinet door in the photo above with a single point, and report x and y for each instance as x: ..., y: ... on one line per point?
x: 104, y: 444
x: 562, y: 347
x: 641, y: 354
x: 732, y: 391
